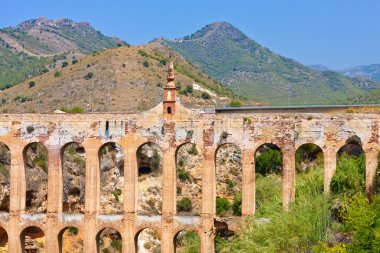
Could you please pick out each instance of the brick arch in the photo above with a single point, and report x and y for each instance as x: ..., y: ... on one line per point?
x: 60, y: 236
x: 186, y: 228
x: 97, y: 237
x: 23, y: 230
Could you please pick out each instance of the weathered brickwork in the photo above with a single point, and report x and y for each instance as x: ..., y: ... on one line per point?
x: 208, y: 131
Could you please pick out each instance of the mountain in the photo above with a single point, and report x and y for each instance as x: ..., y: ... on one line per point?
x: 249, y: 69
x: 34, y: 46
x: 372, y: 71
x: 120, y: 79
x: 319, y: 67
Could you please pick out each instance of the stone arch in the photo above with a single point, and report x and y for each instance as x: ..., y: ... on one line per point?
x: 111, y: 171
x: 350, y: 172
x: 5, y: 166
x: 228, y: 175
x: 309, y: 161
x: 32, y: 239
x: 3, y: 240
x: 268, y: 170
x: 74, y: 236
x: 109, y: 238
x: 36, y: 175
x: 149, y: 185
x: 187, y: 240
x: 73, y: 159
x: 188, y: 179
x: 148, y: 239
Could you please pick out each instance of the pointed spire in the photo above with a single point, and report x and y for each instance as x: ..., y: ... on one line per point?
x: 170, y: 69
x: 170, y: 78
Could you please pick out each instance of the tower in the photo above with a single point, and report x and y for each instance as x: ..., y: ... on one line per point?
x: 170, y: 91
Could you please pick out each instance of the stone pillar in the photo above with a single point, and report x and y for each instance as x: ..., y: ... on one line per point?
x: 168, y: 198
x: 329, y: 167
x: 248, y: 181
x: 208, y: 197
x: 92, y: 194
x: 17, y: 197
x: 288, y: 176
x: 371, y: 160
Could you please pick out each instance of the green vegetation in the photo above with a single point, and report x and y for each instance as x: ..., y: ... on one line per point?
x: 31, y: 84
x: 74, y: 61
x: 89, y: 76
x: 188, y: 242
x: 183, y: 175
x: 269, y: 162
x: 235, y: 104
x: 75, y: 109
x: 223, y: 206
x: 205, y: 95
x: 146, y: 64
x: 57, y: 74
x: 65, y: 64
x: 117, y: 193
x: 184, y: 205
x: 73, y: 230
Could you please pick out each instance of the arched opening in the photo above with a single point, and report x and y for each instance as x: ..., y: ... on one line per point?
x: 32, y: 240
x: 109, y: 240
x: 268, y: 168
x: 349, y: 176
x: 74, y: 178
x: 189, y: 180
x: 147, y: 240
x: 5, y: 166
x: 111, y: 159
x: 187, y: 241
x: 36, y: 175
x: 228, y: 163
x: 169, y: 110
x: 70, y: 240
x: 309, y: 168
x: 3, y: 240
x: 149, y: 159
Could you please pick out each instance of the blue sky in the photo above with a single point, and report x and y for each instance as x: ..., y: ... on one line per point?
x: 336, y: 33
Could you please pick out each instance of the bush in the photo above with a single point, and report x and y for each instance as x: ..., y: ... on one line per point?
x: 75, y: 109
x: 31, y: 84
x: 205, y: 95
x: 223, y: 206
x: 183, y: 175
x: 65, y: 64
x: 74, y: 61
x: 89, y: 76
x: 57, y: 74
x: 269, y: 162
x: 236, y: 204
x: 73, y: 230
x: 184, y: 205
x: 235, y: 104
x: 146, y: 64
x: 189, y: 89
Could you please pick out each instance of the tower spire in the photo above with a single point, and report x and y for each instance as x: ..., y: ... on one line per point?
x: 170, y: 90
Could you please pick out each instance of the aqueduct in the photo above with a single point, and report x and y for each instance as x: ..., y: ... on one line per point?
x: 169, y: 129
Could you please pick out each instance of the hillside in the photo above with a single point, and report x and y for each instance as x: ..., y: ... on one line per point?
x: 34, y: 46
x: 254, y: 71
x: 119, y: 79
x: 372, y: 71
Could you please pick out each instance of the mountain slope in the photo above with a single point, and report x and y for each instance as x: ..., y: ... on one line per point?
x: 248, y: 68
x: 372, y: 71
x: 118, y: 79
x: 31, y: 48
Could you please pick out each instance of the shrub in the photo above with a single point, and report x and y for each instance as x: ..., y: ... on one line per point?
x: 65, y: 64
x: 3, y: 101
x: 74, y: 61
x: 75, y: 109
x: 179, y: 85
x: 230, y: 183
x: 184, y: 205
x: 183, y: 175
x: 236, y: 204
x: 116, y: 244
x: 31, y: 84
x: 205, y: 95
x: 234, y: 103
x: 89, y: 76
x: 189, y: 89
x: 146, y: 64
x: 57, y: 74
x: 269, y: 162
x: 119, y: 45
x: 193, y: 150
x: 73, y: 230
x: 223, y: 206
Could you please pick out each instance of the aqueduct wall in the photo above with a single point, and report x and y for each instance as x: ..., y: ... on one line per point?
x: 208, y: 131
